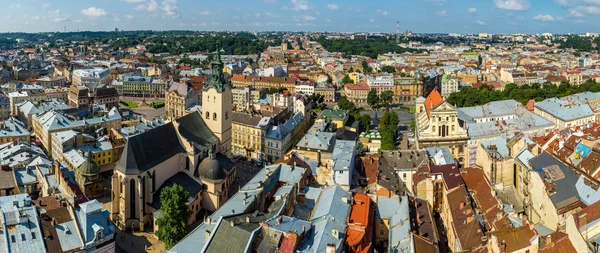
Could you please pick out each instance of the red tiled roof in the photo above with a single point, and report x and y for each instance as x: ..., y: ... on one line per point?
x: 433, y: 100
x: 360, y: 233
x: 560, y: 243
x: 450, y: 173
x: 357, y: 86
x: 587, y: 215
x: 288, y: 243
x: 531, y: 104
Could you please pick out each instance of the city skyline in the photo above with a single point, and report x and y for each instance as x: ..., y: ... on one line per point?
x: 420, y: 16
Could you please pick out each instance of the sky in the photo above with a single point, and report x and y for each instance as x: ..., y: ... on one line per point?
x: 420, y: 16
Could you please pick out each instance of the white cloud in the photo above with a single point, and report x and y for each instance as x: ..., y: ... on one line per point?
x: 581, y: 11
x: 372, y: 20
x: 204, y: 13
x: 300, y: 5
x: 442, y: 13
x: 94, y: 12
x: 546, y: 18
x: 55, y: 16
x: 170, y: 8
x: 151, y: 6
x: 77, y: 21
x: 167, y: 8
x: 134, y: 1
x: 597, y: 2
x: 17, y: 6
x: 45, y: 5
x: 333, y: 6
x: 565, y: 3
x: 304, y: 18
x: 384, y: 13
x: 479, y: 22
x: 328, y: 21
x: 513, y: 5
x: 129, y: 17
x: 472, y: 10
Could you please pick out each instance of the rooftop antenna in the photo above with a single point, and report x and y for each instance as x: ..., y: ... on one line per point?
x: 397, y: 32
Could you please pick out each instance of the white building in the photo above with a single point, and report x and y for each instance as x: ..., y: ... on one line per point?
x: 276, y: 70
x: 449, y: 85
x: 84, y: 77
x: 381, y: 83
x: 585, y: 62
x: 307, y: 88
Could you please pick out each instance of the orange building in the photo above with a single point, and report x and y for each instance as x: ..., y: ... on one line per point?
x: 359, y: 237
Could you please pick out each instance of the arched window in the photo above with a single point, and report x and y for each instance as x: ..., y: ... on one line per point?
x: 208, y: 98
x: 226, y: 117
x: 215, y: 116
x: 207, y: 115
x: 132, y: 198
x: 215, y: 99
x: 153, y: 181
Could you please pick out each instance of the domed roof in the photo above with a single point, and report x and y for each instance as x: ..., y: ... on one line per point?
x: 88, y: 168
x: 211, y: 169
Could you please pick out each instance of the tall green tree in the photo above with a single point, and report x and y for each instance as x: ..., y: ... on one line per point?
x: 389, y: 69
x: 347, y: 80
x: 388, y: 125
x: 372, y: 98
x: 172, y: 224
x: 387, y: 97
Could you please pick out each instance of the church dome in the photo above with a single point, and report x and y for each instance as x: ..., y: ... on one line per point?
x: 211, y: 169
x: 88, y: 168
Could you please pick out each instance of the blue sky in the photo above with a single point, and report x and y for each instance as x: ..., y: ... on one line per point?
x: 460, y: 16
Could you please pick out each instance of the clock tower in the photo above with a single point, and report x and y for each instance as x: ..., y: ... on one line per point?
x: 217, y: 103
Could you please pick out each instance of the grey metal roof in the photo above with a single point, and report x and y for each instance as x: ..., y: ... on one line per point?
x: 569, y: 108
x: 193, y: 128
x: 501, y: 151
x: 566, y: 192
x: 321, y: 235
x: 387, y: 206
x: 90, y: 215
x: 23, y: 230
x: 241, y: 202
x: 144, y: 151
x: 343, y: 155
x: 68, y: 236
x: 182, y: 179
x: 331, y: 202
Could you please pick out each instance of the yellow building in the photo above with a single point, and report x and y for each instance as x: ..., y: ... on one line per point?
x: 179, y: 98
x: 248, y: 135
x: 355, y: 76
x: 407, y: 89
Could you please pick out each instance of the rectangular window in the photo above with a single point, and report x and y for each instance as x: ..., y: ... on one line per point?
x: 381, y: 232
x: 33, y: 235
x: 23, y: 237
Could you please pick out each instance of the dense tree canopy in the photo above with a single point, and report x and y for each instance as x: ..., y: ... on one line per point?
x: 388, y: 125
x: 174, y: 215
x: 372, y: 98
x: 370, y: 47
x: 388, y: 68
x: 471, y: 97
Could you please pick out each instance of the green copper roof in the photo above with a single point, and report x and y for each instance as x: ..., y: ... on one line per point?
x: 216, y: 79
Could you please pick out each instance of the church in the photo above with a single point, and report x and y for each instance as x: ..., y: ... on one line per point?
x: 437, y: 125
x: 192, y: 151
